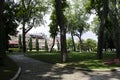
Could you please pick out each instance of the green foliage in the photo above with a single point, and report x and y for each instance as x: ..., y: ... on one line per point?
x: 30, y: 44
x: 37, y: 44
x: 46, y: 45
x: 82, y: 60
x: 53, y: 25
x: 69, y: 44
x: 77, y: 18
x: 10, y: 17
x: 89, y: 45
x: 32, y: 12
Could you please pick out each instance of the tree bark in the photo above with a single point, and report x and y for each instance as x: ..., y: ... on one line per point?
x: 73, y: 43
x: 23, y: 37
x: 80, y: 40
x: 101, y: 29
x: 116, y: 29
x: 61, y: 23
x: 52, y: 44
x: 2, y: 35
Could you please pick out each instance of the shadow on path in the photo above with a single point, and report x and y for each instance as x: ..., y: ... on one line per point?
x: 37, y: 70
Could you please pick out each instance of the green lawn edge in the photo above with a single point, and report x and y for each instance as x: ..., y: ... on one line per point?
x: 79, y: 60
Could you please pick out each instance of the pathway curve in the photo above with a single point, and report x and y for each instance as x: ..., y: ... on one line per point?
x: 37, y: 70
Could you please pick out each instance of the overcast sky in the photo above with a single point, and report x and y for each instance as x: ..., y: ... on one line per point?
x: 45, y: 29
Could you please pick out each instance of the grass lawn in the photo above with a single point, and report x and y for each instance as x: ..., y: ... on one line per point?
x: 83, y: 60
x: 8, y: 70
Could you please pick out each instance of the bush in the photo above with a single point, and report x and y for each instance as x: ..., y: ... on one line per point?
x: 30, y: 44
x: 37, y: 44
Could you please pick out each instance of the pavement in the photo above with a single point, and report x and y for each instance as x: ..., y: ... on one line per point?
x: 37, y: 70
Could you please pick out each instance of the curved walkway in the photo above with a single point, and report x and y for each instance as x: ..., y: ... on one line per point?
x: 37, y: 70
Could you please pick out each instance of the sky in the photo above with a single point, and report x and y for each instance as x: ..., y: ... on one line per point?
x: 45, y: 29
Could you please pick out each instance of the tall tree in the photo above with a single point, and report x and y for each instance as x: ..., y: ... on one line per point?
x: 59, y: 7
x: 101, y: 28
x: 10, y: 17
x: 77, y: 20
x: 2, y: 34
x: 53, y: 28
x: 70, y: 24
x: 100, y: 8
x: 31, y: 14
x: 114, y: 14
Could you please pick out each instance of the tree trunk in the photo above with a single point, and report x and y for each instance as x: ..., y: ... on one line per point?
x: 58, y: 45
x: 52, y: 44
x: 23, y: 37
x: 101, y: 29
x: 2, y: 35
x: 80, y: 42
x: 61, y: 23
x: 73, y: 43
x: 116, y: 29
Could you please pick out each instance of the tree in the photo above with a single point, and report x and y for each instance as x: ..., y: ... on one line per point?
x: 70, y: 22
x: 89, y: 45
x: 20, y: 43
x: 30, y: 44
x: 113, y: 13
x: 100, y: 8
x: 10, y: 18
x: 37, y: 44
x: 31, y: 14
x: 46, y: 45
x: 69, y: 45
x: 77, y: 21
x: 2, y: 36
x: 59, y: 7
x: 58, y: 45
x: 53, y: 28
x: 108, y: 32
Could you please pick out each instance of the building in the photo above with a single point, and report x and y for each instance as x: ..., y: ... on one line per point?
x: 41, y: 39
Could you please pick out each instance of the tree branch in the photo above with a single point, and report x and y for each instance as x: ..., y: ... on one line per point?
x: 31, y: 26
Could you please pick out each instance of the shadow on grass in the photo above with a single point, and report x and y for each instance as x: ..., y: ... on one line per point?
x: 37, y: 70
x: 83, y: 60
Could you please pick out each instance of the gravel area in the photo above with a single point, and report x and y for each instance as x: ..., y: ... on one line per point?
x: 37, y: 70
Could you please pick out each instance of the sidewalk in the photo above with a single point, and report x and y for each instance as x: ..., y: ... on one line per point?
x: 37, y: 70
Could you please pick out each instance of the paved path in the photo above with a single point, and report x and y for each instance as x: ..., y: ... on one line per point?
x: 37, y: 70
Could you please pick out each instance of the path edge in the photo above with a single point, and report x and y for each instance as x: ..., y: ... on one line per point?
x: 17, y: 74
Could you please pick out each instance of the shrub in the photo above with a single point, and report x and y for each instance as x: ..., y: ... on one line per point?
x: 37, y: 44
x: 30, y: 44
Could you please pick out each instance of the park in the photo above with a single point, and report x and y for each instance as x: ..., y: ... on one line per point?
x: 65, y: 54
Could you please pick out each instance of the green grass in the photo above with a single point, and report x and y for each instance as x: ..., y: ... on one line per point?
x: 14, y: 49
x: 83, y: 60
x: 8, y: 70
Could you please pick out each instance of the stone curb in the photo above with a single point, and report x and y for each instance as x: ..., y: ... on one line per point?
x: 90, y: 70
x: 17, y: 74
x: 94, y: 70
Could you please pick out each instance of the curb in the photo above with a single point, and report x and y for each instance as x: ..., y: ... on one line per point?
x: 89, y: 70
x: 95, y: 70
x: 17, y: 74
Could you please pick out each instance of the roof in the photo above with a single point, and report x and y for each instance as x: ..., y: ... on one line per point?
x: 13, y: 42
